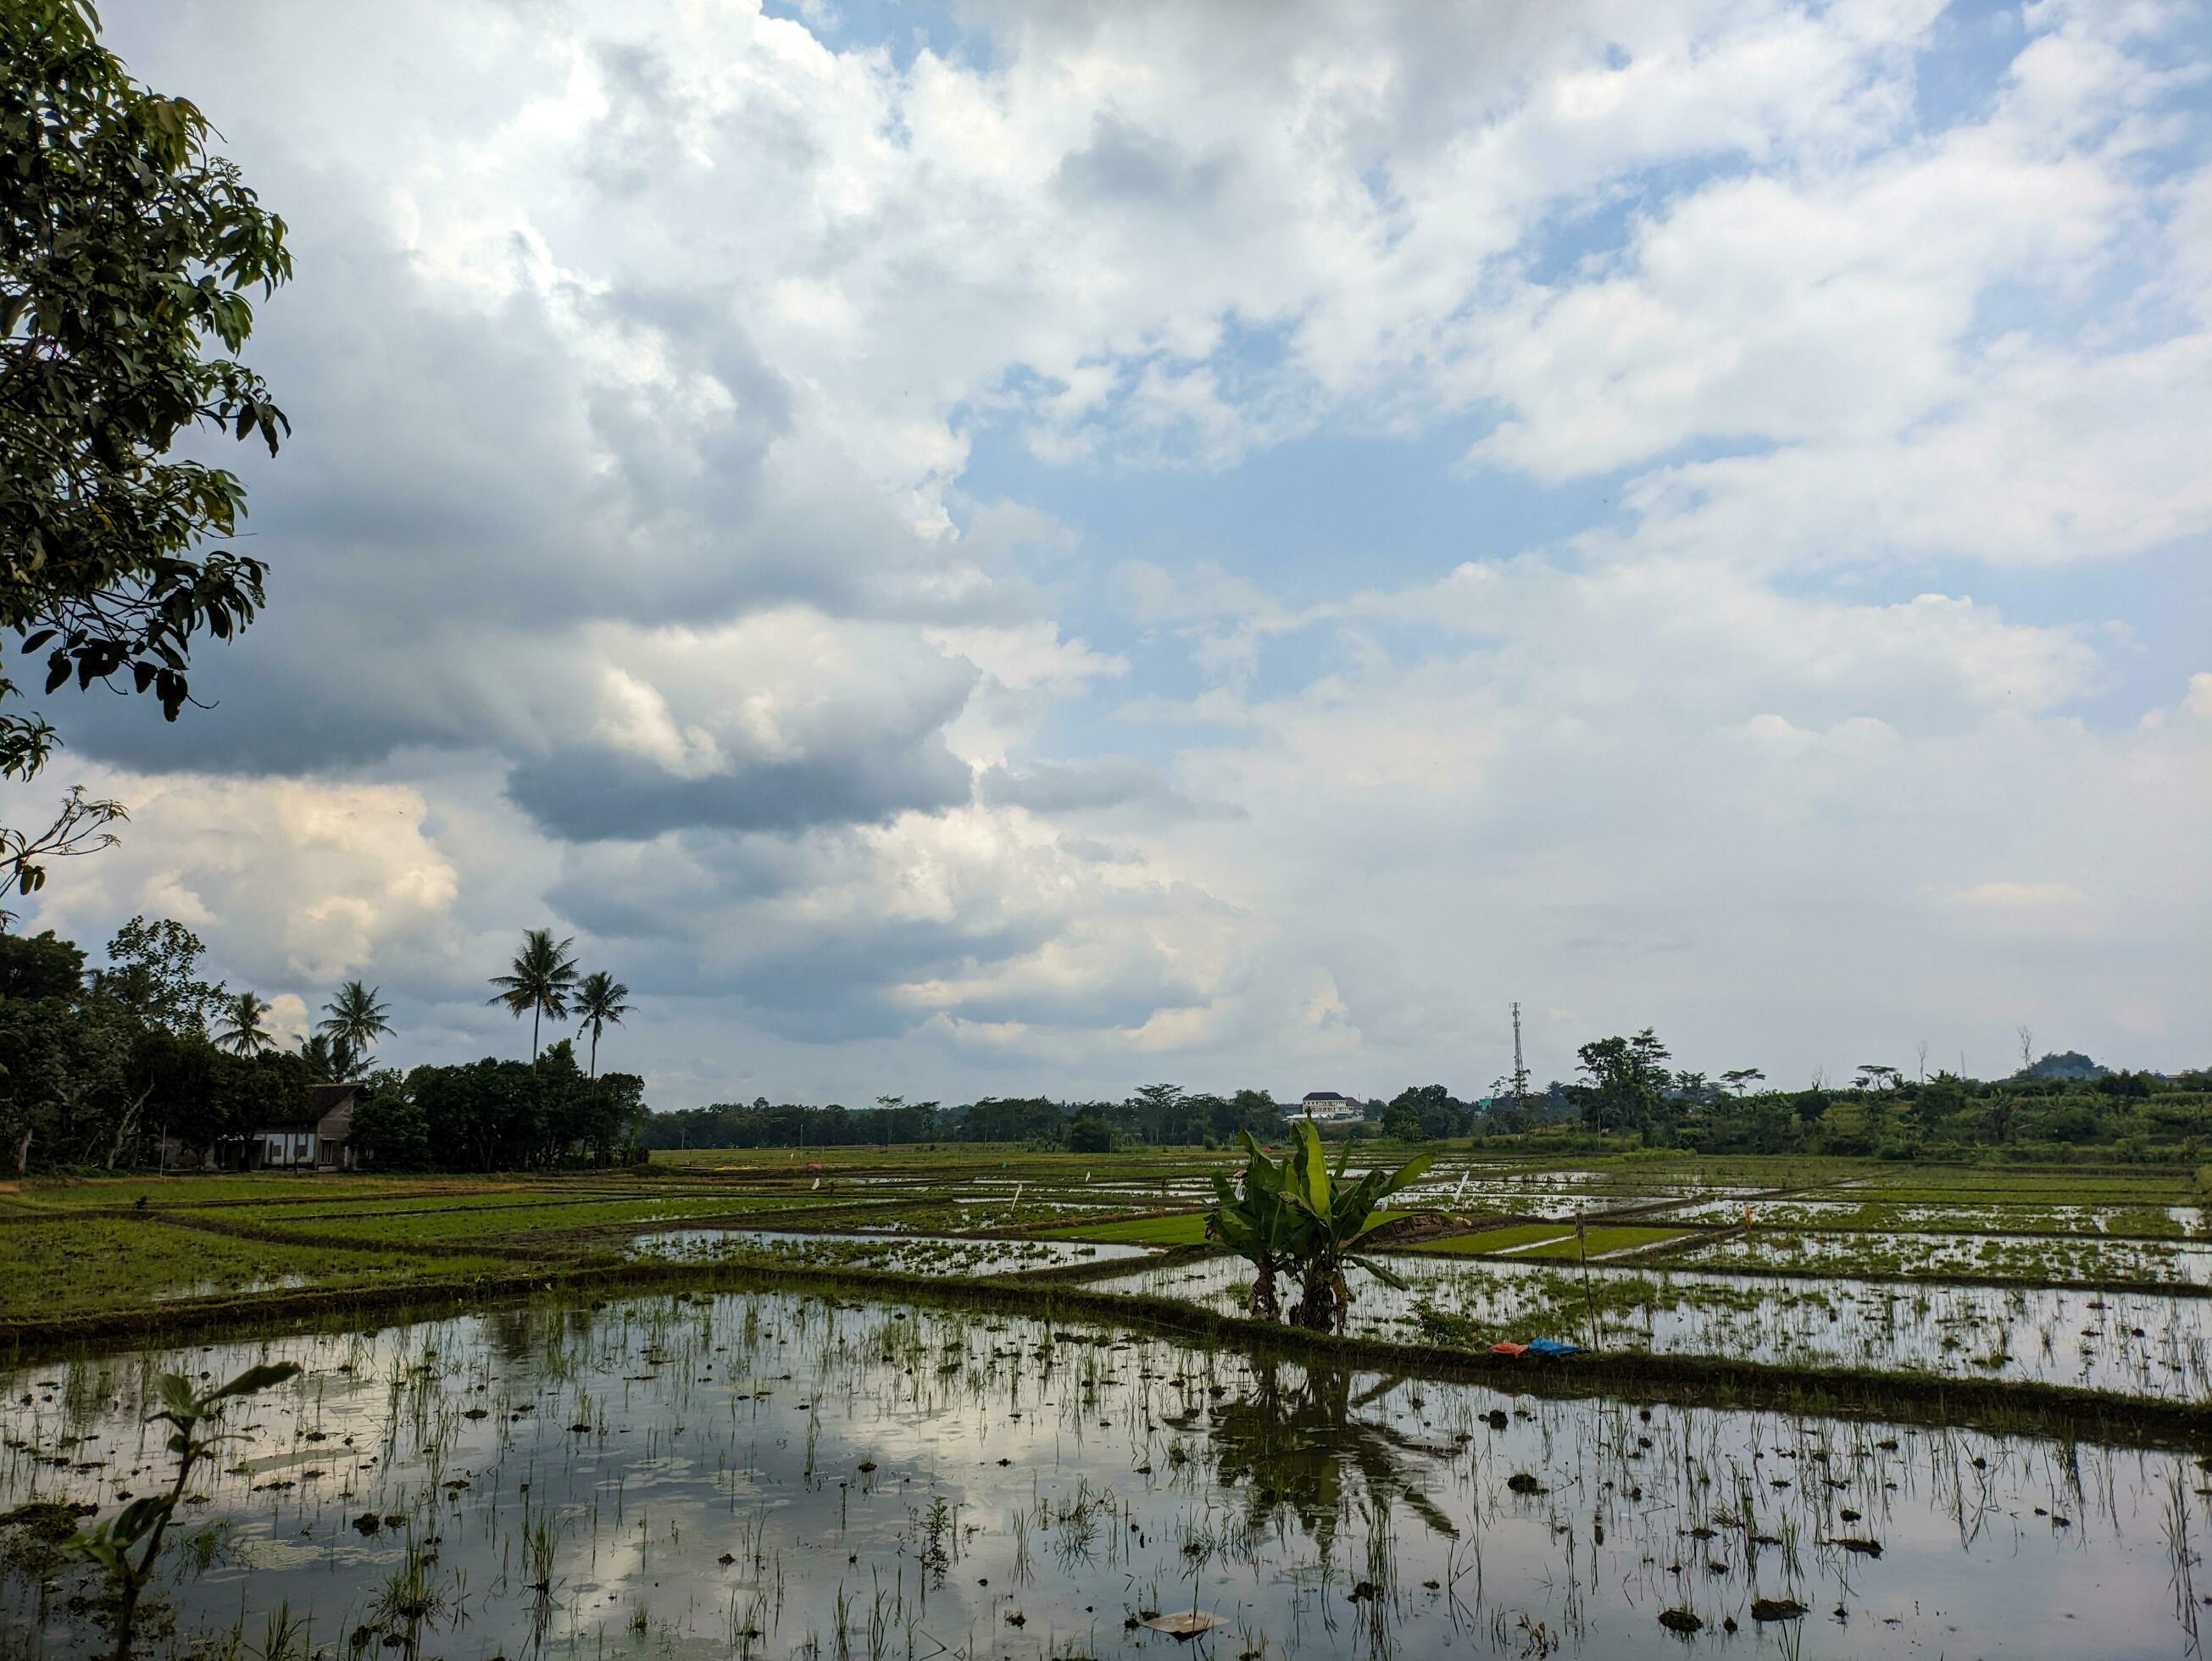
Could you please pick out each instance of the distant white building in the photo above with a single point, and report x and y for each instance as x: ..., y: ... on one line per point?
x: 1324, y: 1107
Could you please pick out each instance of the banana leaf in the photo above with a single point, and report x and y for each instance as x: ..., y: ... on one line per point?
x: 1386, y: 1276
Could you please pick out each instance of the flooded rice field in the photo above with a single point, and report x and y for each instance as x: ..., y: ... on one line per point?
x: 771, y: 1474
x: 908, y: 1254
x: 2019, y: 1256
x: 2140, y: 1343
x: 1872, y: 1213
x: 1567, y: 1194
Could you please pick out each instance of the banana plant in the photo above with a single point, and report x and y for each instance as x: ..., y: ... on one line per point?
x: 127, y: 1545
x: 1294, y: 1216
x: 1339, y: 1214
x: 1256, y: 1221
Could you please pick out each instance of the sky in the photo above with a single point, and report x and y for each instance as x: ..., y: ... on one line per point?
x: 1044, y: 547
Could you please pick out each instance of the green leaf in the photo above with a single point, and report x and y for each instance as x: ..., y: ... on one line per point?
x: 98, y: 1548
x: 1313, y: 1175
x: 253, y: 1379
x: 1236, y: 1232
x: 135, y: 1520
x: 1386, y: 1276
x: 1407, y: 1174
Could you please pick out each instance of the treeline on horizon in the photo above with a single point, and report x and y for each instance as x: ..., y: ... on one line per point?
x: 100, y: 1070
x: 1624, y: 1099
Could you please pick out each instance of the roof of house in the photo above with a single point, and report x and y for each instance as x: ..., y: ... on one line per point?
x: 1326, y: 1096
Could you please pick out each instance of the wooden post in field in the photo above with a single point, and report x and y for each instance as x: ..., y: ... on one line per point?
x: 1582, y: 1247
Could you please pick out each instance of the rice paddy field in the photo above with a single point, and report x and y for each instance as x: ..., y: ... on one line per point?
x: 989, y: 1403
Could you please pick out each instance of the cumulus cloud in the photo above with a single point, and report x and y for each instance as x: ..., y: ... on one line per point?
x: 781, y: 719
x: 300, y: 882
x: 749, y: 509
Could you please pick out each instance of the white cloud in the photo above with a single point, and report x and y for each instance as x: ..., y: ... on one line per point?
x: 288, y: 1020
x: 1030, y: 657
x: 632, y: 573
x: 299, y: 883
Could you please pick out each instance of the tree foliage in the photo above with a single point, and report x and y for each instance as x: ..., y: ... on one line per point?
x: 153, y: 970
x: 238, y: 1026
x: 353, y: 1021
x: 1090, y: 1133
x: 601, y: 1002
x: 496, y: 1115
x: 538, y: 982
x: 40, y: 966
x: 1627, y: 1078
x: 95, y: 1074
x: 99, y: 1073
x: 79, y: 828
x: 129, y: 255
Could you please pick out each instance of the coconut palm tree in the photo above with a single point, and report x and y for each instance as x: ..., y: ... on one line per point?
x: 600, y: 999
x: 238, y: 1025
x: 355, y: 1021
x: 329, y: 1058
x: 539, y: 982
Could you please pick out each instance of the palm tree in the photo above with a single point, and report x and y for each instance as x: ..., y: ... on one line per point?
x: 238, y: 1025
x: 328, y: 1059
x: 355, y: 1020
x: 600, y: 999
x: 539, y: 980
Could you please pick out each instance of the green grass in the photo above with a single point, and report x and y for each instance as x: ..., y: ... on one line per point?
x: 259, y: 1188
x: 1602, y: 1240
x: 98, y: 1265
x: 506, y: 1221
x: 1189, y: 1229
x: 1550, y: 1241
x: 1497, y: 1239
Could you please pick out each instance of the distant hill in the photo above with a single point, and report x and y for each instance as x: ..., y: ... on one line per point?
x: 2073, y: 1064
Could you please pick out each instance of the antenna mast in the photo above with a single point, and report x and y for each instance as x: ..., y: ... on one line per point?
x: 1520, y: 1067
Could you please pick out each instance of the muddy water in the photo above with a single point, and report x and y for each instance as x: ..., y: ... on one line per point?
x: 764, y: 1474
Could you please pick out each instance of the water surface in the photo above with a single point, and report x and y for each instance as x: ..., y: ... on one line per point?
x: 771, y: 1475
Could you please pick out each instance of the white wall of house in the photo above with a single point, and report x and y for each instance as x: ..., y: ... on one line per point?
x: 287, y: 1147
